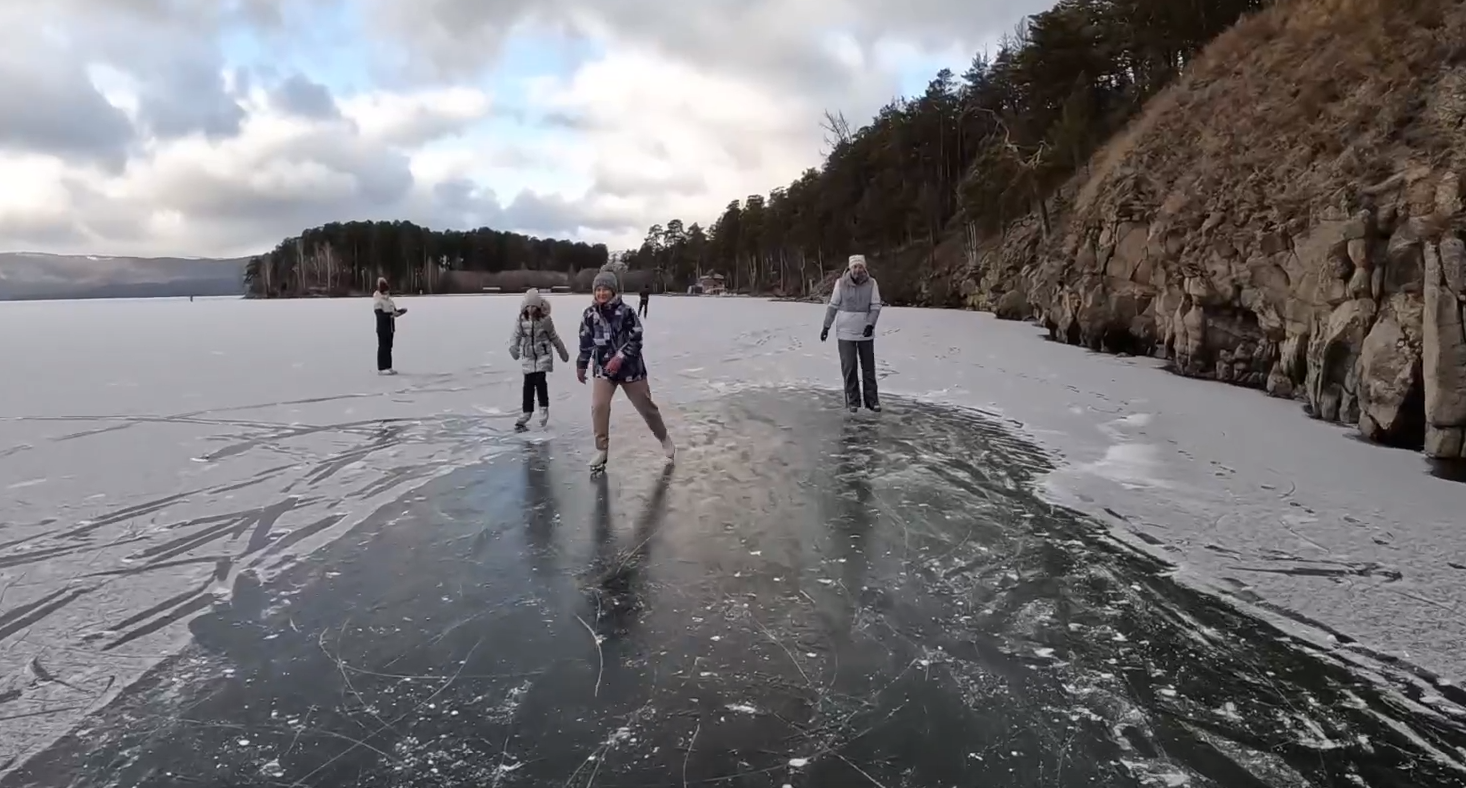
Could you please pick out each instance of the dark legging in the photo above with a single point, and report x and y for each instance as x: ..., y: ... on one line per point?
x: 384, y: 350
x: 536, y: 385
x: 642, y: 307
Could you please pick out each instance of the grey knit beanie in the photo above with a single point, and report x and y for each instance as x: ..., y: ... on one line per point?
x: 605, y: 279
x: 532, y: 297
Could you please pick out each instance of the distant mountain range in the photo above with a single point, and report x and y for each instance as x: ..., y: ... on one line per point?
x: 33, y: 275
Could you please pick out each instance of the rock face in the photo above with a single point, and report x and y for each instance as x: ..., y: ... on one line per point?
x: 1229, y: 233
x: 1444, y: 349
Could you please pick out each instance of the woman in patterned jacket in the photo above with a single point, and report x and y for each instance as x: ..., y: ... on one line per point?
x: 610, y: 346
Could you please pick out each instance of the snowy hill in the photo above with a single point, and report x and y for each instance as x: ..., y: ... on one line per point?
x: 33, y: 275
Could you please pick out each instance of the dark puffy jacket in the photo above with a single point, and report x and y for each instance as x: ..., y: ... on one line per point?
x: 386, y: 311
x: 609, y: 331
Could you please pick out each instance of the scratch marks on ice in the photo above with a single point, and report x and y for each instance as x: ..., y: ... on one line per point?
x: 104, y: 596
x: 805, y: 600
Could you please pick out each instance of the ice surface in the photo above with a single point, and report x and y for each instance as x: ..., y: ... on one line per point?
x: 144, y: 447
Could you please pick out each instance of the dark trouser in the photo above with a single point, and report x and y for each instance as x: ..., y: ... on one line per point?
x: 864, y: 352
x: 384, y: 350
x: 535, y: 384
x: 641, y: 308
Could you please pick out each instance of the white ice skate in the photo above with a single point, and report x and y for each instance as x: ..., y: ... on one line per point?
x: 544, y: 416
x: 670, y: 448
x: 598, y: 462
x: 523, y: 420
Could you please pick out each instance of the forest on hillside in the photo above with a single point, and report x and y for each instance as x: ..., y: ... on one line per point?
x: 347, y: 257
x: 969, y: 155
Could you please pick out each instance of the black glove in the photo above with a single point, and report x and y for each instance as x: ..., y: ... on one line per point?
x: 869, y: 330
x: 824, y: 334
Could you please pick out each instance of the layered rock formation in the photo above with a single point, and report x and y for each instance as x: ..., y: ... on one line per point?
x: 1288, y: 216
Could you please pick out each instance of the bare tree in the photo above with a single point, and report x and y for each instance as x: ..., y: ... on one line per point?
x: 837, y: 130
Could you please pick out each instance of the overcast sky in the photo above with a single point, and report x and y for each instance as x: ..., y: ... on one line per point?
x: 219, y: 127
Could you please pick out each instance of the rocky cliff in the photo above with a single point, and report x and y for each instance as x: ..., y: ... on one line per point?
x: 1287, y: 216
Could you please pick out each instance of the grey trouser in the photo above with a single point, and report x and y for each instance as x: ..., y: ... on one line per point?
x: 864, y: 352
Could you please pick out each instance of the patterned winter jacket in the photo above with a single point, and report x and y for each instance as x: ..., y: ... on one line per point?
x: 535, y: 341
x: 609, y: 331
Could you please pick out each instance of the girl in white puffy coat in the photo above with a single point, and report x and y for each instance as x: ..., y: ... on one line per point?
x: 534, y: 344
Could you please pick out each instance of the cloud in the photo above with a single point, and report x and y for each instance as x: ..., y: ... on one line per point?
x: 222, y: 126
x: 695, y: 139
x: 298, y: 95
x: 528, y: 212
x: 624, y: 182
x: 33, y: 206
x: 191, y: 98
x: 411, y: 119
x: 167, y: 54
x: 283, y: 171
x: 55, y: 109
x: 786, y: 42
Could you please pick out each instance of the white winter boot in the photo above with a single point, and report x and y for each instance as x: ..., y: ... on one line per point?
x: 544, y: 416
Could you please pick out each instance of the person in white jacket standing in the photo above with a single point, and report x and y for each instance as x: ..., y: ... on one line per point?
x: 855, y: 306
x: 387, y: 313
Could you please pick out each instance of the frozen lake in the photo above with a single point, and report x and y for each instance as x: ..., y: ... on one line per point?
x: 229, y: 549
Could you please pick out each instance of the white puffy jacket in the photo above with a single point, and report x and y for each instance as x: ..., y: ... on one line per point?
x: 853, y: 306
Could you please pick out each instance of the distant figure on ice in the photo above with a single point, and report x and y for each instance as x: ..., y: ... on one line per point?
x: 387, y: 314
x: 646, y: 297
x: 855, y: 306
x: 534, y: 344
x: 610, y: 344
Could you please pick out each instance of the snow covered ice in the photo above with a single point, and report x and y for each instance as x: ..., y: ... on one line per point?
x: 217, y: 507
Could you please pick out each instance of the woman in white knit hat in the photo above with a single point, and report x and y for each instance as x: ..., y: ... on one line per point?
x: 855, y: 306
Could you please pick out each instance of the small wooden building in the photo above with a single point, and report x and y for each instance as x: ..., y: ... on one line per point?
x: 712, y: 284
